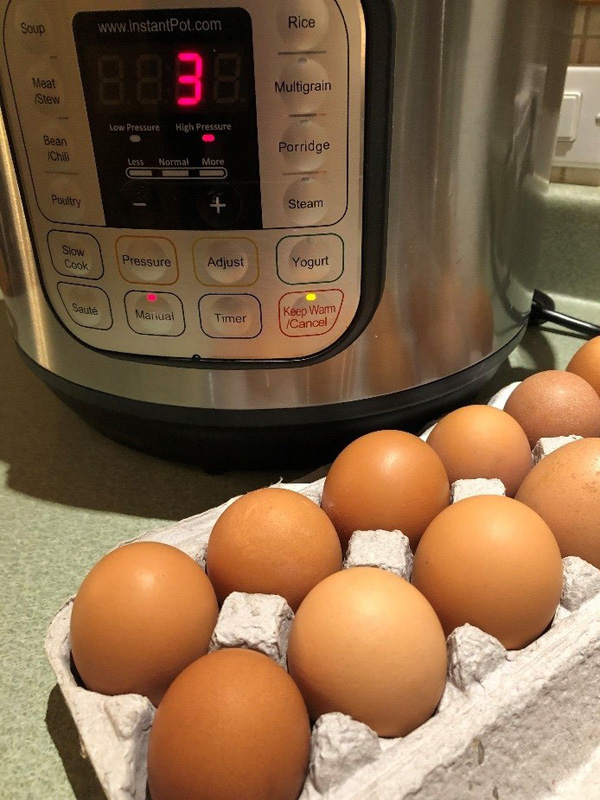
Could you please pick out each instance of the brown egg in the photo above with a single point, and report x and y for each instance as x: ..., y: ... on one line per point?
x: 232, y: 726
x: 386, y: 480
x: 564, y: 489
x: 143, y: 613
x: 273, y: 541
x: 482, y: 442
x: 366, y: 643
x: 494, y: 563
x: 586, y: 363
x: 555, y: 403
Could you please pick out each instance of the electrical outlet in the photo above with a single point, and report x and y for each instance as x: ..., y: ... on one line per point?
x: 578, y: 139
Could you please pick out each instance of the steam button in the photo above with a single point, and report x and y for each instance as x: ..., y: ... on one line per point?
x: 87, y: 306
x: 302, y: 23
x: 306, y: 202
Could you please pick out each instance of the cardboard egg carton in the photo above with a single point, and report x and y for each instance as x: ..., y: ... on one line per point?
x: 511, y: 724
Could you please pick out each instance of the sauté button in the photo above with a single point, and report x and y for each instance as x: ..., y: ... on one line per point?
x: 302, y: 23
x: 155, y: 313
x: 229, y: 262
x: 88, y: 306
x: 230, y: 316
x: 147, y: 259
x: 76, y: 254
x: 310, y: 259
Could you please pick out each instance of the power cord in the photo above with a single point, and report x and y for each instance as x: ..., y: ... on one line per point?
x: 543, y: 310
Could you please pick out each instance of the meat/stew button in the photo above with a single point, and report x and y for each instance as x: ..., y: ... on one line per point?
x: 310, y: 313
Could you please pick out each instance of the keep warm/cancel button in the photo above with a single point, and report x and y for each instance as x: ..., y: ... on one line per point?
x: 310, y: 313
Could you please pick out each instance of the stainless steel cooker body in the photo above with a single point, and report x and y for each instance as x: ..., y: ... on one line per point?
x: 218, y: 215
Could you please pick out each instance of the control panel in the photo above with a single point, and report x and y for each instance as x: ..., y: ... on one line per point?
x: 192, y: 171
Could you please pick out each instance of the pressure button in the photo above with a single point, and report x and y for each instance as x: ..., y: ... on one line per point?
x: 302, y: 23
x: 147, y: 259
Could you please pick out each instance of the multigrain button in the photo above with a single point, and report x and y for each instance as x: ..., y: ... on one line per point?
x: 155, y: 313
x: 310, y: 259
x: 147, y: 259
x: 306, y: 202
x: 75, y: 254
x: 33, y: 26
x: 309, y: 313
x: 232, y: 261
x: 304, y: 85
x: 230, y: 316
x: 302, y: 23
x: 88, y: 306
x: 305, y: 145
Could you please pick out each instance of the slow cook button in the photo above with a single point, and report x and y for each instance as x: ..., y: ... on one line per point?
x: 306, y: 202
x: 147, y: 259
x: 305, y: 145
x: 88, y: 306
x: 302, y: 23
x: 154, y: 313
x: 304, y: 85
x: 311, y: 259
x: 230, y: 316
x: 75, y: 254
x: 310, y: 313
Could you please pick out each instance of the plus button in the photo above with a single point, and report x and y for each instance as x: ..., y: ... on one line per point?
x: 217, y: 204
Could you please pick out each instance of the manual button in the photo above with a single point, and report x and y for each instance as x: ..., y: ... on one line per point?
x: 154, y: 313
x: 88, y: 306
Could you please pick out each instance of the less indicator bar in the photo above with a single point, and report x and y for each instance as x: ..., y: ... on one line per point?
x: 193, y: 173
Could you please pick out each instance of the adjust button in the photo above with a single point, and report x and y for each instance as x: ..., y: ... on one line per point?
x: 147, y: 259
x: 229, y: 262
x: 230, y: 316
x: 75, y: 254
x: 88, y: 306
x: 155, y: 313
x: 302, y: 23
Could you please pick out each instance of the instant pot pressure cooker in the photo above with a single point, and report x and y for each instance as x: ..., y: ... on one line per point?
x: 238, y: 231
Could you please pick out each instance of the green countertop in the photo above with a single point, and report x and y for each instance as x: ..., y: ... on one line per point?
x: 67, y: 495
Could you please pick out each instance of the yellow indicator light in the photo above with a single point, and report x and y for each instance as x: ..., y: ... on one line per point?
x: 311, y: 297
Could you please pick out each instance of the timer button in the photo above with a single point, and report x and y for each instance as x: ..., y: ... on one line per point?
x: 306, y: 202
x: 147, y: 259
x: 219, y: 208
x: 304, y: 85
x: 230, y: 316
x: 33, y: 26
x: 88, y: 306
x: 154, y: 313
x: 226, y: 261
x: 305, y: 145
x: 302, y: 23
x: 310, y: 259
x: 76, y: 254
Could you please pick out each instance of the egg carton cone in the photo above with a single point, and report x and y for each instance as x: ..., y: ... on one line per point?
x: 511, y: 724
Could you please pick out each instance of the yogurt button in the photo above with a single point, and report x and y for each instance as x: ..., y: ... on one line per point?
x: 310, y: 259
x: 302, y: 23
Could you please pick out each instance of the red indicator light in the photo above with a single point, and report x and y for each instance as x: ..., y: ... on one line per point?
x: 208, y: 137
x: 151, y: 298
x: 189, y: 81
